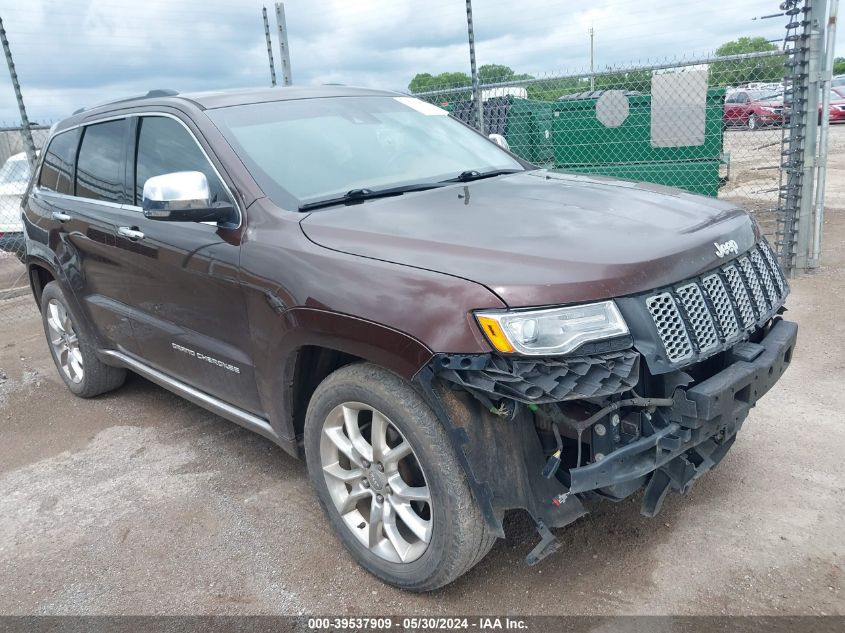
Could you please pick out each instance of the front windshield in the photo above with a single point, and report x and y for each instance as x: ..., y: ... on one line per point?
x: 304, y: 150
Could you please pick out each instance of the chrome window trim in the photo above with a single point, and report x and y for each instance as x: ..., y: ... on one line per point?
x: 63, y: 196
x: 132, y: 207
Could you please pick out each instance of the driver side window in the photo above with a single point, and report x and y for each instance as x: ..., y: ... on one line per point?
x: 165, y: 146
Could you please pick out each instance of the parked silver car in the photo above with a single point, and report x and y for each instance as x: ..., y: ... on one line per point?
x: 14, y: 178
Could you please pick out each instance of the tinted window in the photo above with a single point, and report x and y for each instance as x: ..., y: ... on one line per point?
x: 101, y: 165
x: 165, y: 146
x: 57, y: 169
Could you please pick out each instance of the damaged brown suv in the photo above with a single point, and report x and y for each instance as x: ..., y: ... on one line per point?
x: 442, y: 330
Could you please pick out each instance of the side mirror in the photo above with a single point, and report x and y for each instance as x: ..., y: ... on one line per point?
x: 500, y: 140
x: 182, y: 196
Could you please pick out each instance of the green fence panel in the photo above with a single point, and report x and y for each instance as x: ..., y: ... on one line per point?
x: 699, y: 176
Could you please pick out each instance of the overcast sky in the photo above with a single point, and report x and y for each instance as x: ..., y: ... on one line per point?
x: 72, y: 53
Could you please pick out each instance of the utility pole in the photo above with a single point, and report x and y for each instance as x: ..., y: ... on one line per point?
x: 476, y: 89
x: 821, y: 176
x: 29, y: 145
x: 804, y: 242
x: 284, y: 49
x: 592, y: 76
x: 269, y: 46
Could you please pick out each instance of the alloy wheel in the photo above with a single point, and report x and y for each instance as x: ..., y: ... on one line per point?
x: 64, y: 341
x: 376, y: 482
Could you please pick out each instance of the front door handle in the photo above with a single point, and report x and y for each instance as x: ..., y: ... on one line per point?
x: 132, y: 234
x: 60, y: 217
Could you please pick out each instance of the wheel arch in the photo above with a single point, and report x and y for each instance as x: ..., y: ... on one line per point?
x: 309, y: 366
x: 40, y: 274
x: 319, y: 342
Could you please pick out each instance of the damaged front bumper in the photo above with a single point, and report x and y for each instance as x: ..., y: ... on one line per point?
x: 490, y: 409
x: 702, y: 426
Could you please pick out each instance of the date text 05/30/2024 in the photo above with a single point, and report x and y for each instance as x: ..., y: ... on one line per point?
x: 410, y: 623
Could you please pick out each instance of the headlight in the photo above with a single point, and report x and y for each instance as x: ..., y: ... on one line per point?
x: 551, y: 331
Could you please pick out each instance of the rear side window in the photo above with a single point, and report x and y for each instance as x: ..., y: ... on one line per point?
x: 101, y: 165
x: 165, y: 146
x: 57, y: 168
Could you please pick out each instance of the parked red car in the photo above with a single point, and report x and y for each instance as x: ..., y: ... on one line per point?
x: 837, y: 105
x: 753, y: 109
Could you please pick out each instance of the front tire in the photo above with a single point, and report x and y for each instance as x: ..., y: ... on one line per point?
x: 752, y: 122
x: 72, y: 351
x: 389, y: 482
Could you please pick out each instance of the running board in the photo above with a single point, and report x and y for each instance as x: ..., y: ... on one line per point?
x: 199, y: 398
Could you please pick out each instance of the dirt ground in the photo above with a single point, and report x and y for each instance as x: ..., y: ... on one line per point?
x: 138, y: 502
x: 753, y: 177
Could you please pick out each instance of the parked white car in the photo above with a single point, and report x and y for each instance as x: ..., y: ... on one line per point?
x: 14, y: 178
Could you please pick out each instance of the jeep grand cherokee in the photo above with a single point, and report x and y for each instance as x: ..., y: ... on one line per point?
x: 443, y: 331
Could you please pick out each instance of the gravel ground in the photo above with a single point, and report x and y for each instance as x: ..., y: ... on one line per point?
x: 141, y: 503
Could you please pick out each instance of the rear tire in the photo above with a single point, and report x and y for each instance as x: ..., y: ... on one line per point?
x: 353, y: 404
x: 72, y: 349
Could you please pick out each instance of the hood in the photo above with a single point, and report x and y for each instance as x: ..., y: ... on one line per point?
x: 540, y: 237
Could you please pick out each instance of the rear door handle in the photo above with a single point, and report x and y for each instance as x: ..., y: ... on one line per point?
x: 132, y: 234
x: 60, y: 217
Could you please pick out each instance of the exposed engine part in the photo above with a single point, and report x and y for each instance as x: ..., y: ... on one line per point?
x: 631, y: 426
x: 540, y: 380
x: 643, y: 403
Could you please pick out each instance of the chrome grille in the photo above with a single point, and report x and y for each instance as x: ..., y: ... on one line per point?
x: 742, y: 300
x: 760, y: 305
x: 698, y: 317
x: 763, y: 273
x: 715, y: 288
x: 671, y: 326
x: 770, y: 258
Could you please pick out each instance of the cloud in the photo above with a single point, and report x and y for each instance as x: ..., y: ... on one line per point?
x: 71, y: 53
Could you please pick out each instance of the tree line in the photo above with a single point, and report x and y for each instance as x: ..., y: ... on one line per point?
x: 727, y: 73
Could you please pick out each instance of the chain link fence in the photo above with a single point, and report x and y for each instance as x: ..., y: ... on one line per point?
x: 731, y: 127
x: 15, y: 173
x: 710, y: 125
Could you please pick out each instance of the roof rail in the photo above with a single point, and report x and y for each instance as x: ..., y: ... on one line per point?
x: 162, y: 92
x: 158, y: 92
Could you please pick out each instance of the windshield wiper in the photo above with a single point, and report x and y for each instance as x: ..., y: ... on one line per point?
x: 356, y: 196
x: 474, y: 174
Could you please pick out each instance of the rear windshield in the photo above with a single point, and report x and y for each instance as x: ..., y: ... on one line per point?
x: 306, y: 150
